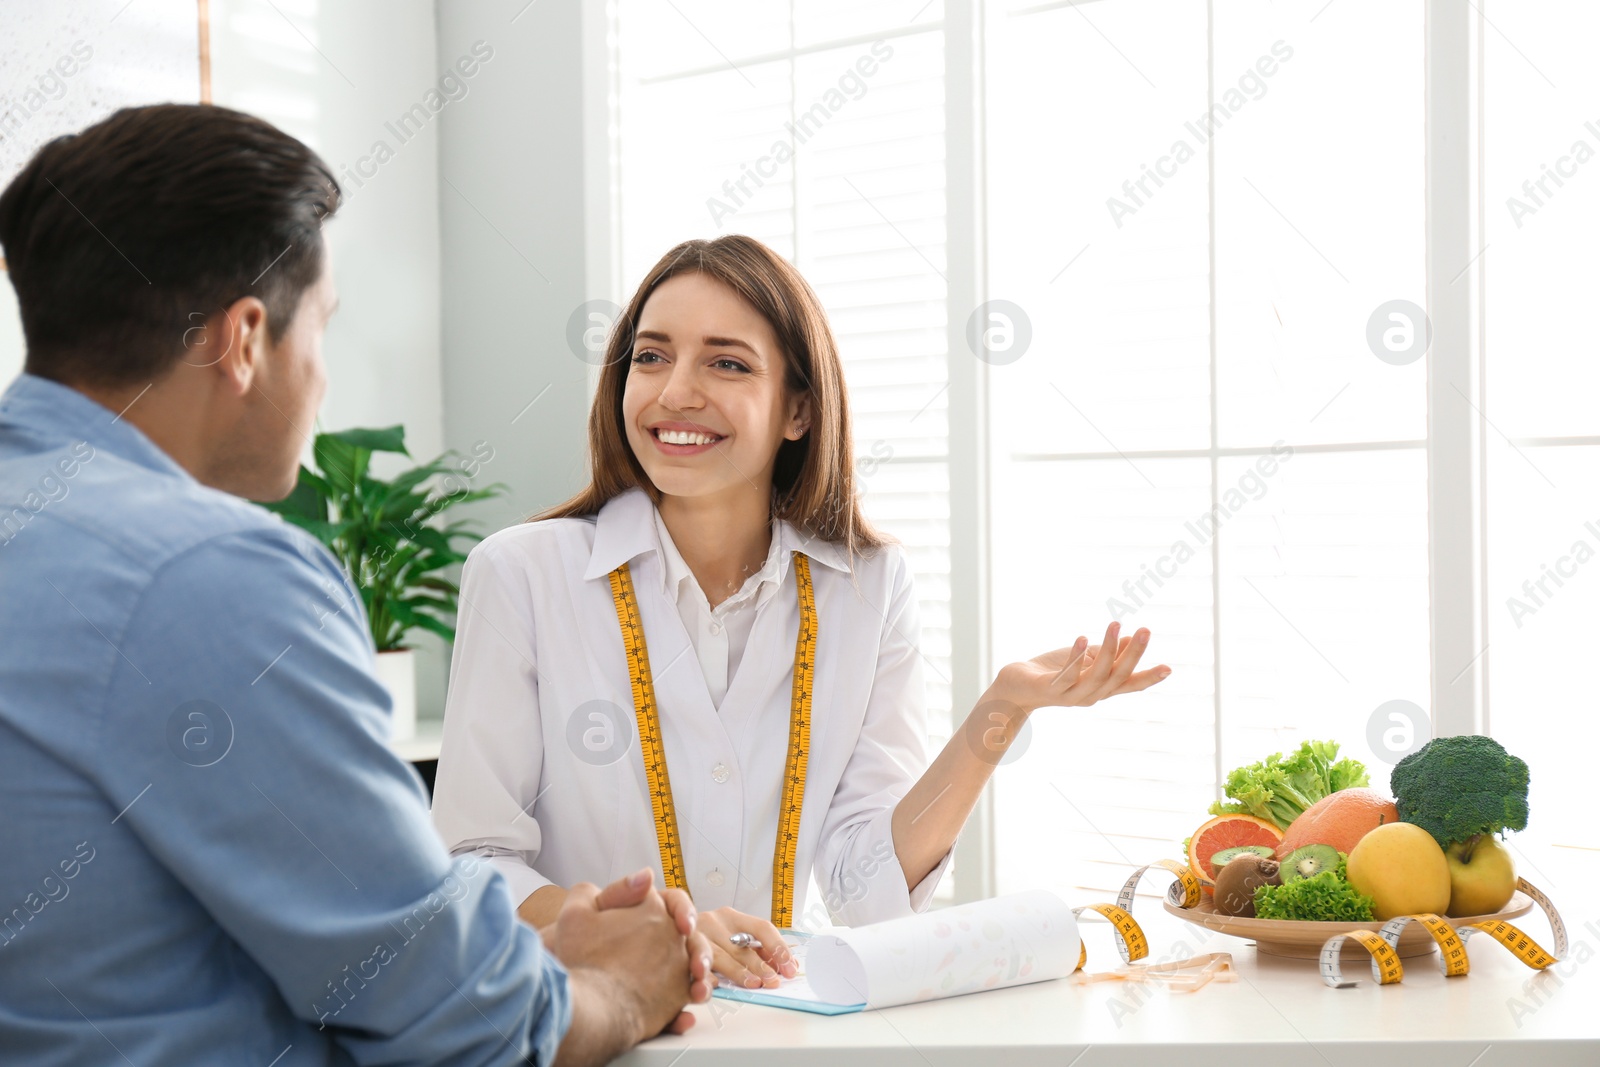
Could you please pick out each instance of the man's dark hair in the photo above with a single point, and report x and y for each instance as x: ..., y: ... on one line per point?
x: 123, y: 238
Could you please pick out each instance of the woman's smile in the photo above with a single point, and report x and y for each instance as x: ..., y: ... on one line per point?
x: 683, y: 440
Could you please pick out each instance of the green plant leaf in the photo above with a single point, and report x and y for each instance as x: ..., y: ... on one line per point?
x: 430, y: 537
x: 317, y: 482
x: 457, y: 499
x: 388, y: 439
x: 406, y: 509
x: 326, y: 532
x: 412, y: 617
x: 431, y: 561
x: 402, y: 484
x: 307, y: 501
x: 342, y: 463
x: 431, y: 602
x: 444, y: 585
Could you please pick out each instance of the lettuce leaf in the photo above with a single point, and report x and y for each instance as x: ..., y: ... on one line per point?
x: 1325, y: 897
x: 1280, y: 787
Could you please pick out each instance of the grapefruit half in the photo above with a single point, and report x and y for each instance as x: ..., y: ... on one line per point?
x: 1228, y: 831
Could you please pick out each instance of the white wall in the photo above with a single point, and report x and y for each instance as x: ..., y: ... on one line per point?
x: 332, y: 74
x: 513, y: 201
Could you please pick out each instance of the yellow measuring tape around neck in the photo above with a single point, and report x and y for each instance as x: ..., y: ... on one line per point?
x: 655, y: 757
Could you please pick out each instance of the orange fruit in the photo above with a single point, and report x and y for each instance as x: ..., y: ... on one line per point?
x: 1228, y: 831
x: 1339, y: 820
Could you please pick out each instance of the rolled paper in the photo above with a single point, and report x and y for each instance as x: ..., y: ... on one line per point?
x: 988, y: 944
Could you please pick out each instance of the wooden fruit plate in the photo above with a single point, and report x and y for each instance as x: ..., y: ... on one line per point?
x: 1304, y: 940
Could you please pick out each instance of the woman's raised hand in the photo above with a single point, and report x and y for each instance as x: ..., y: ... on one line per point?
x: 1079, y: 675
x: 750, y: 968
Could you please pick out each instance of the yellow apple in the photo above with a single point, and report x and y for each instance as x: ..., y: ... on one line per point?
x: 1402, y: 868
x: 1482, y: 876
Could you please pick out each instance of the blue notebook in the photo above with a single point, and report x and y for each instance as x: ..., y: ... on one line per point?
x: 794, y: 993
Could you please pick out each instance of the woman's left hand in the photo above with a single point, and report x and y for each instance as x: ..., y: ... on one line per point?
x: 1079, y: 675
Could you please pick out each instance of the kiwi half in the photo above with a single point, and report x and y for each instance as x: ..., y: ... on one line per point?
x: 1306, y: 861
x: 1220, y: 859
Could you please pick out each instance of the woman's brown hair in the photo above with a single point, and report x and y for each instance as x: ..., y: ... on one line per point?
x: 813, y: 479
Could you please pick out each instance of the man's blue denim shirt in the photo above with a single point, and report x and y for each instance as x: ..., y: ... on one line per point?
x: 208, y: 854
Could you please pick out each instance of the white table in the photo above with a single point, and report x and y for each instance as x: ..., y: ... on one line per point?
x: 422, y: 745
x: 1278, y: 1012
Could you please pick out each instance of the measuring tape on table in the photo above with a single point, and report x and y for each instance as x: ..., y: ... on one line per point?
x: 1383, y: 946
x: 655, y: 756
x: 1131, y: 940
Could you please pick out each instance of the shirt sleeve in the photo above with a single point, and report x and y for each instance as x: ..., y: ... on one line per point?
x: 270, y: 795
x: 861, y: 876
x: 493, y: 746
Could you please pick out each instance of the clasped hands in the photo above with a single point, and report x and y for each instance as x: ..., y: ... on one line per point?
x: 642, y: 944
x: 637, y: 937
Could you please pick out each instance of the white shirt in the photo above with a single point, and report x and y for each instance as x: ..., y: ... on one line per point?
x: 540, y: 767
x: 718, y: 634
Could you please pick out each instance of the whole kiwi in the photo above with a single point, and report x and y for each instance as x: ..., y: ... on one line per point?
x: 1236, y: 883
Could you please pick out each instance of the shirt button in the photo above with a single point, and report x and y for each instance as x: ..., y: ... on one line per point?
x: 714, y: 877
x: 720, y: 773
x: 716, y: 627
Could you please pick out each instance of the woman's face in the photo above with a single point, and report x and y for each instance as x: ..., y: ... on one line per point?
x: 707, y: 363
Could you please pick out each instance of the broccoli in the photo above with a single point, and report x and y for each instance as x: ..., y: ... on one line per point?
x: 1280, y: 787
x: 1459, y: 787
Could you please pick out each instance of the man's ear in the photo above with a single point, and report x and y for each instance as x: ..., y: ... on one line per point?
x: 799, y: 417
x: 240, y: 332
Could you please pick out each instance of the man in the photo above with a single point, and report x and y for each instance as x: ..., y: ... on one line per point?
x: 207, y: 853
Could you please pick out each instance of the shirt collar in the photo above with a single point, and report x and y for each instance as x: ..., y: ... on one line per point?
x: 51, y: 409
x: 625, y: 529
x: 674, y: 569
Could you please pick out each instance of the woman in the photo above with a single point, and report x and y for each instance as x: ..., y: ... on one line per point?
x: 632, y: 683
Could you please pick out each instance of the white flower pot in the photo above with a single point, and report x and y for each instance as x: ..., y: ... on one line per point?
x: 398, y: 672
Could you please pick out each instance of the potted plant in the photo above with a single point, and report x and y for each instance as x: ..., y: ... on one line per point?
x: 391, y: 539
